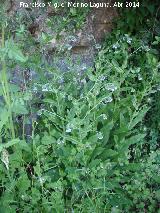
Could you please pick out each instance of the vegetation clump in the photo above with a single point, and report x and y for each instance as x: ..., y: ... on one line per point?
x: 93, y: 138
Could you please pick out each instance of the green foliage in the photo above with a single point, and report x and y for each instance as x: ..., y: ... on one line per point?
x: 93, y: 145
x: 135, y: 19
x: 68, y: 19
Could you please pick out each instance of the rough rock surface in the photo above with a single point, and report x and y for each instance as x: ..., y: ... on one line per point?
x: 80, y: 44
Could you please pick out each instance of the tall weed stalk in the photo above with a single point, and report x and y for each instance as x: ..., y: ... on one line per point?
x: 5, y: 88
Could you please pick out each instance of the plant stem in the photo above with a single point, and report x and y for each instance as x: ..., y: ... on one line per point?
x: 6, y: 91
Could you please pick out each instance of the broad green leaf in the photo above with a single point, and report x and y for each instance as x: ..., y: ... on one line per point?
x: 17, y: 55
x: 106, y: 131
x: 138, y: 118
x: 132, y: 140
x: 135, y: 139
x: 97, y: 151
x: 108, y: 153
x: 47, y: 140
x: 23, y: 183
x: 9, y: 144
x: 4, y: 115
x: 94, y: 163
x: 19, y: 109
x: 24, y: 146
x: 14, y: 52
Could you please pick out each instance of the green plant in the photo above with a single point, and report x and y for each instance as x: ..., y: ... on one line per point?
x: 6, y: 94
x: 93, y: 144
x: 9, y: 52
x: 148, y: 14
